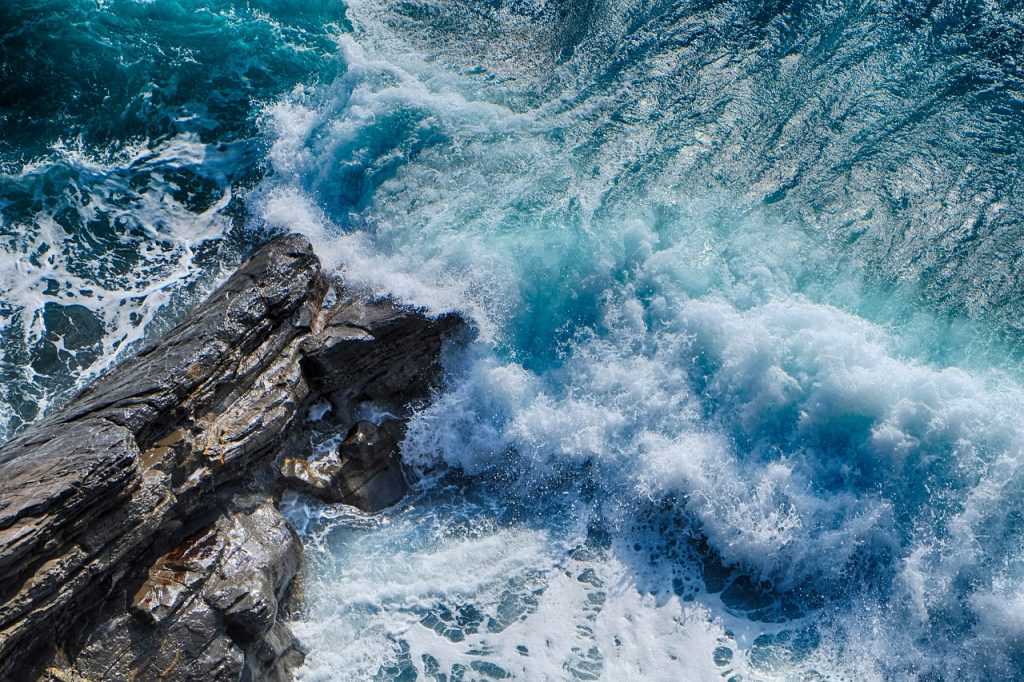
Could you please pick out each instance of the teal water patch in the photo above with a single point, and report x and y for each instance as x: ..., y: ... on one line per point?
x: 110, y: 73
x: 127, y: 130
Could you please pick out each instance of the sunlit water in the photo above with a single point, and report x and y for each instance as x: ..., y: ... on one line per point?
x: 745, y: 399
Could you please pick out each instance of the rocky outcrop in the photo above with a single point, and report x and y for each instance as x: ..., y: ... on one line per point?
x: 138, y: 538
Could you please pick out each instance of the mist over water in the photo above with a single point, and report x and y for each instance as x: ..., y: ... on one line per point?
x: 745, y: 396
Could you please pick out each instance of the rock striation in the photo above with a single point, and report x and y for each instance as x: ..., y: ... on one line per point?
x: 139, y: 537
x: 207, y: 609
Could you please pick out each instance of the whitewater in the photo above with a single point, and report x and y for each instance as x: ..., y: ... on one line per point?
x: 744, y: 398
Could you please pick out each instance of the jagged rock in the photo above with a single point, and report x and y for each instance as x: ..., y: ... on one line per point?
x: 207, y: 608
x: 103, y: 505
x: 375, y: 352
x: 365, y: 471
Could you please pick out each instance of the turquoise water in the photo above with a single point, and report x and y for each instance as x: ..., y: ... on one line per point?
x: 745, y: 400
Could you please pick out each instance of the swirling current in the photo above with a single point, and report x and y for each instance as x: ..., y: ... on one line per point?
x: 746, y: 398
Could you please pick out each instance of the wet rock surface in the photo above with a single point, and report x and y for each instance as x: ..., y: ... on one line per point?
x: 207, y: 609
x: 138, y: 535
x: 365, y: 471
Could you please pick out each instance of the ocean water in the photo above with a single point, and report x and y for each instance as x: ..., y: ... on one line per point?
x: 129, y: 134
x: 746, y: 397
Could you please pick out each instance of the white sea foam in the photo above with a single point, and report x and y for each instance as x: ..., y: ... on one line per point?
x: 495, y: 600
x: 123, y: 282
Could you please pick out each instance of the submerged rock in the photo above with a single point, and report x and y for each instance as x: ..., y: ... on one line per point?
x: 127, y: 547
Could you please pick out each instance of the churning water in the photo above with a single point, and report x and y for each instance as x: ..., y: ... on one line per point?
x: 746, y: 398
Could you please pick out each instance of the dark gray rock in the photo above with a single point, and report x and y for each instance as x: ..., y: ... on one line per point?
x: 365, y: 471
x: 124, y: 550
x: 207, y: 609
x: 376, y: 351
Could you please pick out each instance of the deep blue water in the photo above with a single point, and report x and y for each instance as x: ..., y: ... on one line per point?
x: 746, y: 400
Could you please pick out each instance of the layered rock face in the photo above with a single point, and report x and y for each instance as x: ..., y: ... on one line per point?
x: 139, y: 538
